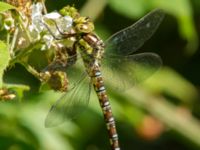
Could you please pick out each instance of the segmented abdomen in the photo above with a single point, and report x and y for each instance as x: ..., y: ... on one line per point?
x: 98, y: 84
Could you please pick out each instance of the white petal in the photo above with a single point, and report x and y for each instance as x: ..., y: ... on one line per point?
x: 52, y: 15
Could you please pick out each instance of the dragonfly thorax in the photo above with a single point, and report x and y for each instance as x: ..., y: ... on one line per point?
x: 91, y: 48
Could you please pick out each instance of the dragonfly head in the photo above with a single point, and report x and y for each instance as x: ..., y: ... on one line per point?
x: 83, y: 25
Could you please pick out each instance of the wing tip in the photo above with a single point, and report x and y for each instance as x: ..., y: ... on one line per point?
x: 160, y: 12
x: 48, y: 124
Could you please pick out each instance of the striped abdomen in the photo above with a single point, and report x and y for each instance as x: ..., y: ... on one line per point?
x: 105, y: 105
x: 92, y: 49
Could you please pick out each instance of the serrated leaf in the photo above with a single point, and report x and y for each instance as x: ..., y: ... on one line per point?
x: 5, y: 7
x: 4, y: 60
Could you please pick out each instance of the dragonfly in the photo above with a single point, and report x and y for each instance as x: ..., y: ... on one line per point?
x: 117, y: 54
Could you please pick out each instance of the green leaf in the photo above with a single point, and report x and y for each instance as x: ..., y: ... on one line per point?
x: 183, y: 13
x: 5, y: 7
x: 184, y: 16
x: 129, y: 8
x: 4, y: 60
x: 174, y: 85
x: 18, y: 88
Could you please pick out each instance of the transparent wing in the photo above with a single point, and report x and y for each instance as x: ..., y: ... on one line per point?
x: 133, y: 37
x: 76, y: 72
x: 70, y: 104
x: 75, y: 99
x: 123, y: 72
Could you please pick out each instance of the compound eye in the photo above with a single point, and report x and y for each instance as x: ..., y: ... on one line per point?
x: 85, y: 28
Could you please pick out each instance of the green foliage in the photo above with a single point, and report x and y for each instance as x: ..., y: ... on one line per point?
x: 129, y: 8
x: 5, y: 7
x: 18, y: 88
x: 22, y: 127
x: 181, y: 10
x: 4, y: 60
x: 175, y: 80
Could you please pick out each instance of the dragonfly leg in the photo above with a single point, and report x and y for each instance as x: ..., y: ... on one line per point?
x: 64, y: 34
x: 47, y: 27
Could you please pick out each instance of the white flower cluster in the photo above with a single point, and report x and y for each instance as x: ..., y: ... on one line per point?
x: 41, y: 23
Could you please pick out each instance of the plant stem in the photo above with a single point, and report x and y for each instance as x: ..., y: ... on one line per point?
x: 90, y: 9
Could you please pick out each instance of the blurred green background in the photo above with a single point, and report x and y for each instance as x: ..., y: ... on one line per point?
x: 161, y: 113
